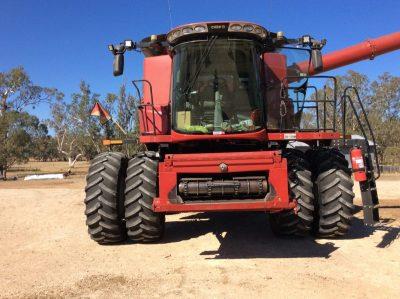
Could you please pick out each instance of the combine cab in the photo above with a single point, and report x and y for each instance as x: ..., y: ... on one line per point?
x: 221, y: 105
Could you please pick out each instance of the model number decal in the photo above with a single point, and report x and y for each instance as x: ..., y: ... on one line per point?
x: 289, y: 136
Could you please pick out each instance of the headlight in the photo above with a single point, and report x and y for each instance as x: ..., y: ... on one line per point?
x: 217, y: 28
x: 248, y: 28
x: 173, y: 35
x: 236, y: 27
x: 187, y: 30
x: 128, y: 44
x: 200, y: 28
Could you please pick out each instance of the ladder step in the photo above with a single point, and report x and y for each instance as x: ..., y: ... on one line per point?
x: 377, y: 206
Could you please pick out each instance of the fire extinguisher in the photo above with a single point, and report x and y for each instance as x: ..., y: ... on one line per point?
x: 358, y: 165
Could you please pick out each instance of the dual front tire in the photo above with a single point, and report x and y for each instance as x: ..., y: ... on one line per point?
x: 334, y: 193
x: 120, y: 194
x: 119, y: 198
x: 320, y: 182
x: 299, y: 220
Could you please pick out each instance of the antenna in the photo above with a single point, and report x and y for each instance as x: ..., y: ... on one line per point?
x: 170, y: 14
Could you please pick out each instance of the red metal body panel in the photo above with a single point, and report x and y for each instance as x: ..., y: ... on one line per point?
x: 160, y: 125
x: 158, y: 71
x: 155, y: 139
x: 365, y: 50
x: 176, y: 137
x: 269, y: 162
x: 259, y: 135
x: 154, y: 113
x: 303, y: 136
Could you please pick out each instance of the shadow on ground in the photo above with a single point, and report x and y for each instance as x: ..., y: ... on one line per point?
x: 247, y: 235
x: 244, y: 235
x: 392, y: 233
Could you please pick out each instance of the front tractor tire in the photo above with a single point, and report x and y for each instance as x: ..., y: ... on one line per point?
x: 297, y: 221
x: 334, y: 193
x: 142, y: 223
x: 105, y: 185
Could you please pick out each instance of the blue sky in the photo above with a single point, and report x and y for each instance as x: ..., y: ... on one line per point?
x: 62, y: 42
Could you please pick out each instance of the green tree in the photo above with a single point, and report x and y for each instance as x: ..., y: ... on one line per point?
x: 381, y: 100
x: 85, y: 128
x: 16, y: 93
x: 44, y: 146
x: 351, y: 78
x: 384, y: 113
x: 127, y: 116
x: 76, y: 133
x: 19, y: 146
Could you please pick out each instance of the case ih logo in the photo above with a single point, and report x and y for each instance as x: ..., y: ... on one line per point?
x: 218, y: 27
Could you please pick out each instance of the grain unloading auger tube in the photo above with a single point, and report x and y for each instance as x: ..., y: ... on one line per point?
x: 369, y: 49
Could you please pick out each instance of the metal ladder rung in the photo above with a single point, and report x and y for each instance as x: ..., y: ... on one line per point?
x: 377, y: 206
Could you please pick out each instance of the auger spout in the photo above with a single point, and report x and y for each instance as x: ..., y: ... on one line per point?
x: 368, y: 49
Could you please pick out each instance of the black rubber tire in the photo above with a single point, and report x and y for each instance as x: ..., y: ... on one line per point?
x: 334, y: 194
x: 105, y: 183
x: 142, y: 223
x: 299, y: 220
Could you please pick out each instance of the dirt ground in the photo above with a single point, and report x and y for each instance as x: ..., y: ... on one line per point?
x: 46, y: 251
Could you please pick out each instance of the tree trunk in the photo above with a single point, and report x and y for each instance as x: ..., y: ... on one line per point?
x: 71, y: 163
x: 3, y: 108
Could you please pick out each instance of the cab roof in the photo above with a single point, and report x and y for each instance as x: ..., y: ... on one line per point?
x: 198, y: 30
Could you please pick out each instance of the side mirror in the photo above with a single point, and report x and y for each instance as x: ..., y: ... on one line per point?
x: 118, y: 64
x: 316, y: 59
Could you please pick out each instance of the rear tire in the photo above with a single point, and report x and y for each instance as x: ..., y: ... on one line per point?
x: 104, y: 198
x: 142, y: 223
x: 299, y: 220
x: 334, y: 193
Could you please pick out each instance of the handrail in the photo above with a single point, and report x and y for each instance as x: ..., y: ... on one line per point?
x: 347, y: 97
x: 134, y: 82
x: 287, y: 79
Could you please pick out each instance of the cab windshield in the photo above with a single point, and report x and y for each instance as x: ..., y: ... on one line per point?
x: 216, y: 87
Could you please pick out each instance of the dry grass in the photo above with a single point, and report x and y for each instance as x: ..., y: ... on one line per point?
x: 75, y: 181
x: 35, y: 167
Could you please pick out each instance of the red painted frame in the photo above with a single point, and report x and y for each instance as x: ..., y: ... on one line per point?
x: 261, y: 136
x: 270, y: 162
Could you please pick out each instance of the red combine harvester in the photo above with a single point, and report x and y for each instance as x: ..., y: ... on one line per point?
x: 221, y: 105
